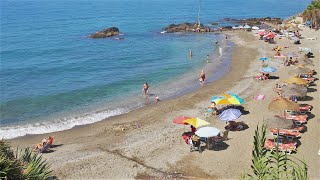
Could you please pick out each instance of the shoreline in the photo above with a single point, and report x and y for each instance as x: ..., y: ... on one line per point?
x: 188, y: 104
x: 101, y: 112
x: 102, y: 149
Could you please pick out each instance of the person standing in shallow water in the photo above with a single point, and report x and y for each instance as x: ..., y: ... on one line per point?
x: 146, y: 88
x: 202, y: 77
x: 190, y: 54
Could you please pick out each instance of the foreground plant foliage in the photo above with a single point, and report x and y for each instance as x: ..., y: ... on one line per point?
x: 27, y: 165
x: 276, y: 165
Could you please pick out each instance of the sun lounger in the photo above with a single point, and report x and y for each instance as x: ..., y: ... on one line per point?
x: 297, y: 128
x: 285, y: 132
x: 304, y: 108
x: 284, y: 145
x: 299, y: 119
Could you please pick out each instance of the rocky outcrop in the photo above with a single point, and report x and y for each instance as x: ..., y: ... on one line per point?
x: 109, y: 32
x: 254, y: 21
x: 186, y: 27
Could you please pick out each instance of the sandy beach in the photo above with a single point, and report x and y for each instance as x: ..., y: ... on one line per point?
x: 146, y: 144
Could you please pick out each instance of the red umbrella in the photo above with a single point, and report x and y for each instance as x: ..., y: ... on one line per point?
x: 180, y: 120
x: 270, y: 35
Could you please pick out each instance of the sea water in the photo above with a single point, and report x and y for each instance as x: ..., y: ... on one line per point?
x: 53, y: 77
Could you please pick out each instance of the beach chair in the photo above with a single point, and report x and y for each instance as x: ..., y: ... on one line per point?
x: 299, y: 119
x: 304, y: 108
x: 288, y: 146
x: 285, y: 133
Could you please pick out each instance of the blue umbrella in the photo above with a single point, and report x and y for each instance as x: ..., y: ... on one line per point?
x: 264, y: 59
x: 269, y: 69
x: 230, y: 115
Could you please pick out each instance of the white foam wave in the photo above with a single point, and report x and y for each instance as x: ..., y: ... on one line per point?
x: 10, y: 132
x: 220, y: 51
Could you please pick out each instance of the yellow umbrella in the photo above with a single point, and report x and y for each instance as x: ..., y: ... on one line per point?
x: 196, y: 122
x: 227, y: 101
x: 296, y: 80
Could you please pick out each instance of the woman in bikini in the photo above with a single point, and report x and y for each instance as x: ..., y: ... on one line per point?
x: 146, y: 88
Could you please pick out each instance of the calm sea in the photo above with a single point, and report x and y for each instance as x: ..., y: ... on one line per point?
x: 53, y: 77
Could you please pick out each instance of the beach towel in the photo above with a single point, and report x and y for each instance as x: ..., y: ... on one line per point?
x: 260, y: 97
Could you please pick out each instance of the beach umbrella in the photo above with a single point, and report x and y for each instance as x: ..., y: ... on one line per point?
x: 226, y: 99
x: 296, y: 80
x: 295, y: 38
x: 207, y: 132
x: 283, y: 104
x: 291, y: 54
x: 230, y: 115
x: 300, y: 70
x: 238, y: 98
x: 279, y: 123
x: 270, y: 35
x: 293, y: 92
x: 264, y: 59
x: 262, y: 33
x: 180, y: 120
x: 255, y: 28
x: 196, y: 122
x: 268, y: 69
x: 246, y: 26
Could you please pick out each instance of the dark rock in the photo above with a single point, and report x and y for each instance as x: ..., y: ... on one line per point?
x: 186, y: 27
x: 109, y: 32
x: 227, y: 28
x: 214, y: 23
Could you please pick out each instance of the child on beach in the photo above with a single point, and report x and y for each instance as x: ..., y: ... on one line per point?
x: 156, y: 98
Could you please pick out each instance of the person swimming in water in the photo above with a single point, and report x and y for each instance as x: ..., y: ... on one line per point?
x: 146, y: 88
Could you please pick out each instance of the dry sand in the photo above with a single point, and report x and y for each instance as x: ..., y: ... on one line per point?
x: 101, y: 150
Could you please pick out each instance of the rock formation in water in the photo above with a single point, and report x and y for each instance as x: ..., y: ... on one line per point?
x: 186, y: 27
x: 109, y: 32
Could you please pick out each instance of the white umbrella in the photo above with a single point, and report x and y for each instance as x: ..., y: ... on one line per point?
x: 255, y: 28
x: 207, y: 132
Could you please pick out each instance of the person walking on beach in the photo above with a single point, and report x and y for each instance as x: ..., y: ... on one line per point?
x: 146, y: 88
x: 202, y: 77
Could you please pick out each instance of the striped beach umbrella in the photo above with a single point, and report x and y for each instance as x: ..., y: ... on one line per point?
x: 230, y: 115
